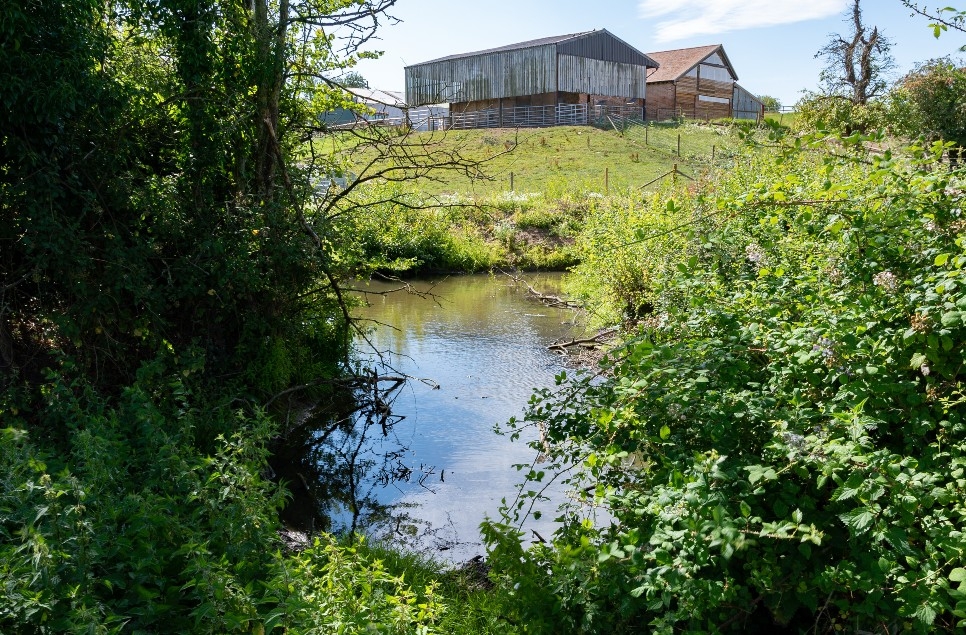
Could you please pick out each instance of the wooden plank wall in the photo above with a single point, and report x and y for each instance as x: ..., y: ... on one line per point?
x: 502, y: 74
x: 597, y: 77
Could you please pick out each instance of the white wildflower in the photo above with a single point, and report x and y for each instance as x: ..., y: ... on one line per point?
x: 887, y: 280
x: 755, y: 254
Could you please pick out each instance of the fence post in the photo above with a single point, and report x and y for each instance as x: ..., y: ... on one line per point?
x: 712, y: 154
x: 606, y: 180
x: 679, y: 144
x: 588, y: 142
x: 674, y: 173
x: 511, y: 181
x: 645, y: 134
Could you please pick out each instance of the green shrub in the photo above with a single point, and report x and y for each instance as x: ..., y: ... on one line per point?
x: 782, y: 443
x: 837, y: 114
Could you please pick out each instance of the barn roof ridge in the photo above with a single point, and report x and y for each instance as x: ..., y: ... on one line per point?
x: 676, y: 62
x: 553, y: 39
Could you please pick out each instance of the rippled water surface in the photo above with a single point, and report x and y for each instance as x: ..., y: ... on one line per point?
x: 482, y: 341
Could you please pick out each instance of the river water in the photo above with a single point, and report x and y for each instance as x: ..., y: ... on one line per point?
x: 474, y: 348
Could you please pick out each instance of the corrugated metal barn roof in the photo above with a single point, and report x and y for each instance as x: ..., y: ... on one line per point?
x: 510, y: 47
x: 592, y: 47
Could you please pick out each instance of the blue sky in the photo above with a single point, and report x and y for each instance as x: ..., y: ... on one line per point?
x: 771, y: 43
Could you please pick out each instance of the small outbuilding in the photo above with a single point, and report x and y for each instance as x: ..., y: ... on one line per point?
x: 697, y: 83
x: 566, y: 79
x: 746, y: 105
x: 386, y: 107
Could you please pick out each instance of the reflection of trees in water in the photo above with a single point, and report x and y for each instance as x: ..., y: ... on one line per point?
x: 336, y: 459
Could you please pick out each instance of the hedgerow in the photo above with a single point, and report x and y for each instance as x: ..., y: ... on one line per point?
x: 780, y: 444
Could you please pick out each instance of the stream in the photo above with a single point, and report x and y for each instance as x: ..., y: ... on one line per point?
x: 473, y: 349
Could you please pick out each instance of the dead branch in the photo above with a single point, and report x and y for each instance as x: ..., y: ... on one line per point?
x: 546, y: 299
x: 587, y: 342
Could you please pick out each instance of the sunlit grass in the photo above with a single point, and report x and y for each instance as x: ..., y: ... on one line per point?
x: 473, y: 605
x: 539, y: 160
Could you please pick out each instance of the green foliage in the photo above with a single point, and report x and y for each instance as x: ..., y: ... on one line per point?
x: 130, y: 526
x: 781, y: 444
x: 346, y: 590
x: 936, y: 92
x: 161, y: 275
x: 353, y: 79
x: 472, y: 606
x: 837, y: 114
x: 772, y: 104
x: 398, y: 231
x: 620, y: 261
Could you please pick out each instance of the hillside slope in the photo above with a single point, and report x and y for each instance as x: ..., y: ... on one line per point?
x: 568, y: 157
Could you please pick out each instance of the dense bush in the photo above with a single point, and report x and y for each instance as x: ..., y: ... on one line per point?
x: 837, y: 114
x: 781, y: 445
x: 936, y: 95
x: 161, y: 277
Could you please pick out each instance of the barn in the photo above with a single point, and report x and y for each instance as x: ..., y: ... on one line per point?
x: 697, y: 83
x: 566, y: 79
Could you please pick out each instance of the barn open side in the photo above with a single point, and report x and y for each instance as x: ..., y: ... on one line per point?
x: 561, y: 80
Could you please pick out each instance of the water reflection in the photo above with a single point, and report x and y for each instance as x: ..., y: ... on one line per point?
x: 434, y: 470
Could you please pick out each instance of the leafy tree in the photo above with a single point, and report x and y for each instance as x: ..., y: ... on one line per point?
x: 936, y: 91
x: 169, y: 267
x: 353, y: 79
x: 837, y: 114
x: 858, y: 62
x: 772, y: 104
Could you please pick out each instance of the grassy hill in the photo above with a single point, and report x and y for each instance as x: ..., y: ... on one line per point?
x: 561, y: 177
x: 545, y: 160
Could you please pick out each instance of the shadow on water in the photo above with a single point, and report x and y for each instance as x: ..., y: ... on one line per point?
x: 417, y: 460
x: 326, y: 458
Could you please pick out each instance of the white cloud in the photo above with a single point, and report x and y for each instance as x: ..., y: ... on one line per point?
x: 686, y: 18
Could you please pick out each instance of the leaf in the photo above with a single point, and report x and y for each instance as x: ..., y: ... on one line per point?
x: 926, y: 614
x: 917, y: 360
x: 941, y: 259
x: 958, y: 574
x: 665, y: 432
x: 858, y: 520
x: 758, y: 472
x: 952, y: 318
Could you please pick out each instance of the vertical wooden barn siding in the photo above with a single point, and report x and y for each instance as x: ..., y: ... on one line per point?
x: 745, y: 105
x: 598, y: 77
x: 594, y: 63
x: 496, y: 75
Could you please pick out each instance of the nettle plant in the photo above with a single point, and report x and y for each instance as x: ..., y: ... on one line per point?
x: 781, y: 442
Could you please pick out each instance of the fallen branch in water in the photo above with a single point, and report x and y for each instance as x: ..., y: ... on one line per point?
x: 587, y: 342
x: 548, y: 300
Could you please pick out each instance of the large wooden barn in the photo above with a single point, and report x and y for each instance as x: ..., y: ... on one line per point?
x: 697, y: 83
x: 567, y: 79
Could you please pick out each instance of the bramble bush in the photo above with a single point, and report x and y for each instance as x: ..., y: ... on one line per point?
x: 131, y: 527
x: 780, y: 443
